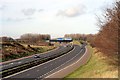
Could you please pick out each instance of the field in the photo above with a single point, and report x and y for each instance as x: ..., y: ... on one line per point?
x: 97, y: 67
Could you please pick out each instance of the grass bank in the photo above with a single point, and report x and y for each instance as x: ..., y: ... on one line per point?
x: 76, y: 42
x: 97, y: 67
x: 33, y: 49
x: 41, y: 48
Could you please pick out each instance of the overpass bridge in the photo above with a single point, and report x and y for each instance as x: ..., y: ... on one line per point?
x: 65, y: 40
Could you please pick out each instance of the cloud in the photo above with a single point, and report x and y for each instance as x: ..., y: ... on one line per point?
x: 9, y: 19
x: 40, y: 10
x: 72, y: 12
x: 29, y: 11
x: 2, y: 7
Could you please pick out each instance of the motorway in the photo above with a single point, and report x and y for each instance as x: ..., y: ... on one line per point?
x: 44, y: 69
x: 30, y: 59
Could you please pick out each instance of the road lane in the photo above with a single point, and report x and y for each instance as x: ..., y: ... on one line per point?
x: 40, y: 70
x: 60, y: 52
x: 30, y: 59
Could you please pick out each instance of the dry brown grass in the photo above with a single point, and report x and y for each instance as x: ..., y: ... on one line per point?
x: 97, y: 67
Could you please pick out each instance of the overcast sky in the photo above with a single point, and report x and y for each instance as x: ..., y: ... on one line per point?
x: 54, y: 17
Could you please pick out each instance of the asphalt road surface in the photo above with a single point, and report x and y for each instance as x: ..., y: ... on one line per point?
x: 30, y: 59
x: 40, y: 71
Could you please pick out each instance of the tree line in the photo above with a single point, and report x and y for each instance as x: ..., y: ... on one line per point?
x: 34, y: 38
x: 76, y: 36
x: 107, y: 39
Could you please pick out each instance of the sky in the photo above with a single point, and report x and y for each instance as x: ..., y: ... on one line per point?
x: 54, y: 17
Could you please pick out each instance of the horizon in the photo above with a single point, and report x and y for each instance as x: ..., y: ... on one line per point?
x: 56, y: 18
x: 18, y: 37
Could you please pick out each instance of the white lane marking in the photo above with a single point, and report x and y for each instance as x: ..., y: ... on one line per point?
x: 38, y: 65
x: 28, y: 56
x: 60, y: 65
x: 7, y: 64
x: 67, y: 66
x: 11, y: 63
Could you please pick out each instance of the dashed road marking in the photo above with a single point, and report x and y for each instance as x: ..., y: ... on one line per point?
x: 11, y: 63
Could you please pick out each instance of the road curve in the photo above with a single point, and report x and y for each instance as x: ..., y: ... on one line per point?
x: 36, y: 61
x: 44, y: 69
x: 76, y: 62
x: 29, y: 59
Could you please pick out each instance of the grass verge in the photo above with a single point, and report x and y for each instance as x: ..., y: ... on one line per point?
x: 97, y: 67
x: 76, y: 42
x: 40, y: 49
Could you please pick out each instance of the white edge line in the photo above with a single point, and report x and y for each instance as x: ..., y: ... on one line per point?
x: 60, y: 65
x: 37, y: 65
x: 67, y: 66
x: 27, y: 56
